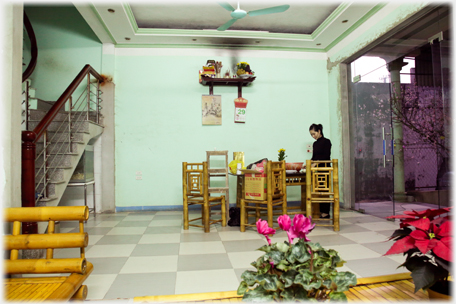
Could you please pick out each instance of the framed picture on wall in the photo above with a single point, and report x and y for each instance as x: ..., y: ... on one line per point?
x: 212, y: 109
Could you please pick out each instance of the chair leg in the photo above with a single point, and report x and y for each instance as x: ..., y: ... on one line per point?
x: 242, y: 219
x: 270, y: 214
x: 185, y: 213
x: 336, y: 216
x: 206, y: 217
x: 223, y: 206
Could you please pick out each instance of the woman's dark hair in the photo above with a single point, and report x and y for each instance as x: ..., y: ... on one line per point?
x: 317, y: 128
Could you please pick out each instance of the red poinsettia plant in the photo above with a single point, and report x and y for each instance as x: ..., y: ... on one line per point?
x: 425, y: 239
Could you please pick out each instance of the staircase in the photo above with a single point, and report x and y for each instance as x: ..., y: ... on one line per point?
x: 64, y: 139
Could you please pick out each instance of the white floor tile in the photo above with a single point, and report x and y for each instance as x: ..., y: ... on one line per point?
x: 98, y: 285
x: 366, y: 237
x: 191, y: 229
x: 135, y: 218
x: 237, y: 235
x: 243, y: 259
x: 345, y: 268
x: 107, y: 224
x: 321, y: 231
x: 93, y: 239
x: 150, y: 264
x: 354, y: 252
x: 379, y: 226
x: 110, y: 251
x: 164, y: 223
x: 160, y: 238
x: 126, y: 230
x: 397, y: 258
x: 344, y: 214
x: 170, y: 212
x: 206, y: 281
x: 201, y: 248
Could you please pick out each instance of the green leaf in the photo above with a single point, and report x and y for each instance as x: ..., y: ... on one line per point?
x: 268, y: 281
x: 242, y: 288
x: 338, y: 296
x: 249, y: 277
x: 304, y: 278
x: 289, y: 277
x: 265, y: 248
x: 287, y: 295
x: 344, y: 280
x: 282, y: 247
x: 283, y: 265
x: 275, y: 256
x: 300, y: 293
x: 298, y: 253
x: 258, y: 294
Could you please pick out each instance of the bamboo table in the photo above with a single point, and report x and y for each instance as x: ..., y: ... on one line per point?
x: 389, y: 288
x: 292, y: 179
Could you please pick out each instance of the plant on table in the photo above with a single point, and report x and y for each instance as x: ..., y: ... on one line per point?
x: 295, y: 272
x: 282, y: 154
x: 425, y: 240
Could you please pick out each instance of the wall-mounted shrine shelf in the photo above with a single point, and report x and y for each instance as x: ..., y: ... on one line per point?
x: 239, y: 82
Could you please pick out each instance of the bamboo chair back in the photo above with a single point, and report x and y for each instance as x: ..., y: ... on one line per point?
x: 195, y: 186
x: 49, y: 241
x: 219, y: 172
x: 323, y: 187
x: 276, y: 197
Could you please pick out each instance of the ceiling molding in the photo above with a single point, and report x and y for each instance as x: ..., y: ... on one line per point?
x: 122, y: 30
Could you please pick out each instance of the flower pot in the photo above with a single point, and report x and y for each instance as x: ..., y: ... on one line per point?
x: 440, y: 291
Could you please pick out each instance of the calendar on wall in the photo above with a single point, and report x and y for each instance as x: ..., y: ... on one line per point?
x: 240, y: 109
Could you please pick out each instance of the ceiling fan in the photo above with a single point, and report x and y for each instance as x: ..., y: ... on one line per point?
x: 238, y: 13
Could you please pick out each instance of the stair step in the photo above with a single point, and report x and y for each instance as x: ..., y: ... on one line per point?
x: 48, y: 199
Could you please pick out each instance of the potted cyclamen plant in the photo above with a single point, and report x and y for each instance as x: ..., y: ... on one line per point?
x: 425, y: 240
x: 295, y: 272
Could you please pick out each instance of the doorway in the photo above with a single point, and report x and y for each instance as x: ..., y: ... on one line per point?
x: 385, y: 182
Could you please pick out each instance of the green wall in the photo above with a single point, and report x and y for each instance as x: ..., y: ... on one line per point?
x: 158, y: 117
x: 65, y: 45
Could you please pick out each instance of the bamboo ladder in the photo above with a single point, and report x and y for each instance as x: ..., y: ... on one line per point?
x: 49, y: 288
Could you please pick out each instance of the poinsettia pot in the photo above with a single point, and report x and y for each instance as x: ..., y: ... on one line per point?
x: 440, y: 290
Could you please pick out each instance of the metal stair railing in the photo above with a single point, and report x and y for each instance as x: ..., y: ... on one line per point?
x: 88, y: 101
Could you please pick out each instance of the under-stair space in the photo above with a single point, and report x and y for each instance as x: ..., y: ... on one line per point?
x: 64, y: 140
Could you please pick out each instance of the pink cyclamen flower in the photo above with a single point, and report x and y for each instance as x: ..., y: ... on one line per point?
x: 264, y: 229
x: 302, y: 226
x: 285, y: 223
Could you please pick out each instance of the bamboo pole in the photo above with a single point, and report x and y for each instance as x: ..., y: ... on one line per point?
x: 242, y: 219
x: 76, y: 265
x: 70, y: 286
x: 43, y: 241
x: 223, y: 206
x: 206, y: 210
x: 269, y: 191
x: 336, y: 211
x: 42, y: 214
x: 184, y: 189
x: 51, y: 230
x: 284, y: 187
x: 80, y: 294
x: 308, y: 188
x: 16, y: 231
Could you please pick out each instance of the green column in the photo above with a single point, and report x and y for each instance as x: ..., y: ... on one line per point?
x: 394, y: 68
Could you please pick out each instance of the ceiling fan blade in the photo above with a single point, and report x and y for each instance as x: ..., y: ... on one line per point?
x: 271, y: 10
x: 226, y: 25
x: 226, y: 6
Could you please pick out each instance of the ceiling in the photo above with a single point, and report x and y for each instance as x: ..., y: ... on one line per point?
x: 304, y: 26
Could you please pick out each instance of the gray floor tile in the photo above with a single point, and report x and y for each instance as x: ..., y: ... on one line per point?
x: 351, y: 229
x: 375, y: 267
x: 243, y: 245
x: 107, y: 265
x: 330, y: 240
x: 156, y: 249
x: 364, y: 219
x: 386, y: 232
x: 69, y: 224
x: 99, y: 230
x: 161, y: 230
x: 142, y: 284
x: 227, y: 228
x: 119, y: 239
x: 143, y: 213
x: 200, y: 237
x: 381, y: 247
x: 168, y: 217
x: 203, y: 262
x: 133, y: 224
x: 240, y: 271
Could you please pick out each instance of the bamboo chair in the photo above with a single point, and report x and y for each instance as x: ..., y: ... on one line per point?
x: 219, y: 172
x: 195, y: 192
x: 323, y: 187
x: 276, y: 197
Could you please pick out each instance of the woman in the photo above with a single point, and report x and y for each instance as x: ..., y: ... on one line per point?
x: 321, y: 151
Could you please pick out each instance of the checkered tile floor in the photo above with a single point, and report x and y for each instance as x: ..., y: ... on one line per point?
x: 149, y: 253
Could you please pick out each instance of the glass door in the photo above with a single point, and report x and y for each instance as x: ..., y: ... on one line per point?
x: 372, y: 137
